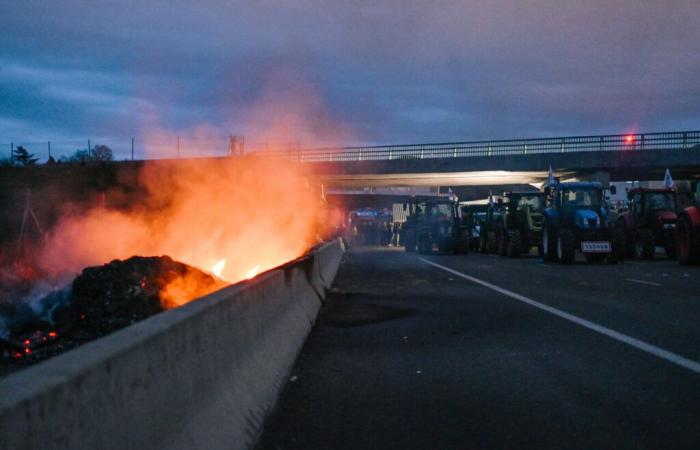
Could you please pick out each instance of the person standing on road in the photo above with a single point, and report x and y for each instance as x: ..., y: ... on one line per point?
x: 395, y: 229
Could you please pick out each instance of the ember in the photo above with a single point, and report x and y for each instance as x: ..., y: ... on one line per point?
x: 101, y: 300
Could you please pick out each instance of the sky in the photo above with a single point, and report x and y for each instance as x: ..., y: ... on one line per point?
x: 346, y: 72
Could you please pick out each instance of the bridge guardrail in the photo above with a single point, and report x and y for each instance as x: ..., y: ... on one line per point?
x: 617, y: 142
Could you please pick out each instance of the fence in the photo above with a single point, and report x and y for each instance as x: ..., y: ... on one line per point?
x: 129, y: 148
x: 176, y: 147
x: 618, y: 142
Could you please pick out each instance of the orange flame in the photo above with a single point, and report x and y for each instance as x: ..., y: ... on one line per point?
x: 252, y: 272
x: 218, y: 267
x: 243, y: 210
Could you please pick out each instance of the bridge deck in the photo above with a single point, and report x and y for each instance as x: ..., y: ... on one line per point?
x: 407, y: 355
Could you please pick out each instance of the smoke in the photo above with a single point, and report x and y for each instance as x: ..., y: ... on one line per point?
x: 251, y: 211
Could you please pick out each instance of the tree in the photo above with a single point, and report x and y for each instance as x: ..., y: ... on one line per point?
x: 99, y: 153
x: 80, y: 156
x: 22, y: 156
x: 102, y: 153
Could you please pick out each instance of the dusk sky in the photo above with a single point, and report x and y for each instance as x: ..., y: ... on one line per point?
x: 347, y: 72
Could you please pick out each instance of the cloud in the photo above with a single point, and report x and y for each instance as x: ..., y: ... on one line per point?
x: 391, y: 71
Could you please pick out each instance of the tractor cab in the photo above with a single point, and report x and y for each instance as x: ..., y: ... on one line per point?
x: 688, y: 230
x: 520, y: 226
x: 576, y: 219
x: 435, y: 221
x: 650, y: 222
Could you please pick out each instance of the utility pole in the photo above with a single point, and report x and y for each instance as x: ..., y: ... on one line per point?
x: 132, y: 149
x: 89, y: 148
x: 178, y: 147
x: 49, y: 145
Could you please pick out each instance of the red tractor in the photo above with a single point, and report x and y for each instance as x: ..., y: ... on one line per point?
x: 650, y: 222
x: 688, y: 230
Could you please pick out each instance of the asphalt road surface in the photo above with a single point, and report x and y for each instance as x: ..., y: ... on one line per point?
x: 486, y: 352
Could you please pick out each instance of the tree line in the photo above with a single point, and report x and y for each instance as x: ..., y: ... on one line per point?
x: 23, y: 157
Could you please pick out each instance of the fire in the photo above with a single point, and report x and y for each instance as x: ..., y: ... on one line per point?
x: 218, y: 267
x: 242, y: 210
x: 252, y: 272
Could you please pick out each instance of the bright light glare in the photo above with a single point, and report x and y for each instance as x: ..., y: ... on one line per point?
x: 252, y: 272
x: 218, y: 267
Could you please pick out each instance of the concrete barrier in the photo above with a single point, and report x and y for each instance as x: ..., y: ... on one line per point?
x: 200, y: 376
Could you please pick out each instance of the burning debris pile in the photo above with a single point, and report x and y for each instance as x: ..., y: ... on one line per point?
x: 101, y: 300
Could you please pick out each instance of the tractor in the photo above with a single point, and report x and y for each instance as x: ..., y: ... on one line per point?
x: 520, y: 225
x: 649, y: 222
x: 435, y: 222
x: 576, y: 220
x: 688, y: 230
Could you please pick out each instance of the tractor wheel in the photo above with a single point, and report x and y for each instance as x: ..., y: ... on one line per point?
x: 514, y: 243
x: 549, y: 241
x: 410, y: 245
x: 644, y: 244
x: 427, y: 246
x: 687, y: 254
x: 670, y: 251
x: 491, y: 242
x: 501, y: 243
x: 461, y: 247
x: 627, y: 238
x: 482, y: 245
x: 566, y: 247
x: 617, y: 244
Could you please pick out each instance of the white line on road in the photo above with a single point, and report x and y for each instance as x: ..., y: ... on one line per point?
x: 650, y: 283
x: 625, y: 339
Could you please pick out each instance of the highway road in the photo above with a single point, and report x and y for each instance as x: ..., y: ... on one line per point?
x: 486, y: 352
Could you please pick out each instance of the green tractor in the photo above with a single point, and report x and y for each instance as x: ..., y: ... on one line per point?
x: 520, y: 225
x: 435, y: 222
x: 577, y: 220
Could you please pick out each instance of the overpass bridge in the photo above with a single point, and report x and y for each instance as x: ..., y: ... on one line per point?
x: 620, y: 157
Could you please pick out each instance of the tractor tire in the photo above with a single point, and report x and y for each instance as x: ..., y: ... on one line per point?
x: 566, y: 247
x: 618, y: 246
x: 627, y: 238
x: 491, y: 242
x: 644, y: 244
x: 461, y: 247
x: 501, y: 243
x: 687, y: 254
x: 514, y: 244
x: 410, y: 245
x: 670, y: 250
x: 549, y: 241
x: 420, y: 246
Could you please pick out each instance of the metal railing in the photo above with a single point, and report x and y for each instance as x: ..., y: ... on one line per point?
x: 618, y: 142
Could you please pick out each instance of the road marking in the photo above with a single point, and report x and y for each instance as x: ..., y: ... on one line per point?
x: 650, y: 283
x: 659, y: 352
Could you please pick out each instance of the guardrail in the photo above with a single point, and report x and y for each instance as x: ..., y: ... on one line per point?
x: 617, y: 142
x: 200, y: 376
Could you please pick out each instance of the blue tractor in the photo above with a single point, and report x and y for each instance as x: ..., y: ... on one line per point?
x: 576, y: 220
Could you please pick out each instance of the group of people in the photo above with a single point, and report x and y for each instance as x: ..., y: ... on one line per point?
x: 375, y: 232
